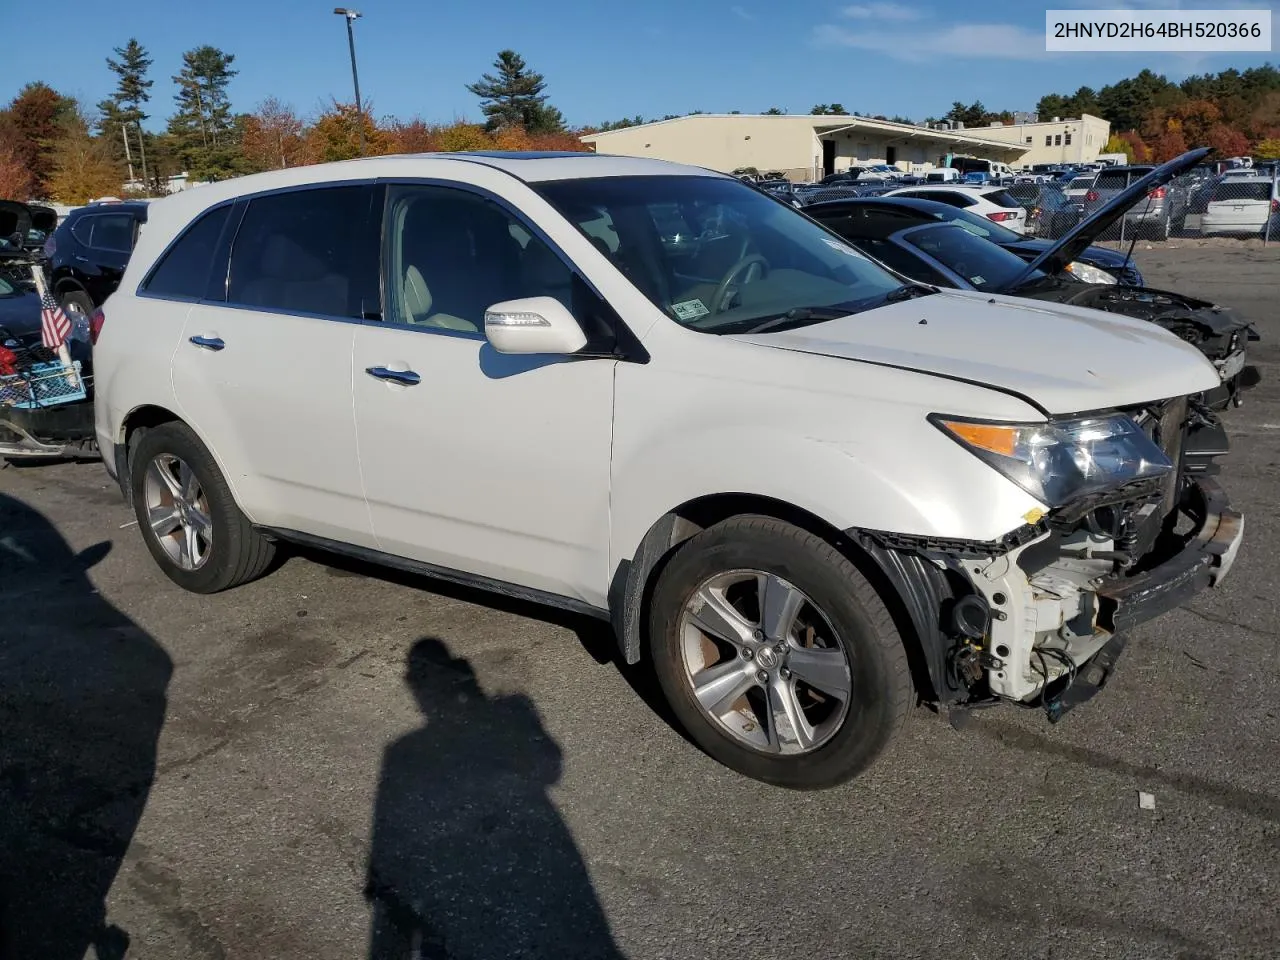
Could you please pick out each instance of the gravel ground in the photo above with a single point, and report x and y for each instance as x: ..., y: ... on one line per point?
x: 223, y: 769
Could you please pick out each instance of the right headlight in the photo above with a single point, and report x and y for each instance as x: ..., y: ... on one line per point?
x: 1063, y: 460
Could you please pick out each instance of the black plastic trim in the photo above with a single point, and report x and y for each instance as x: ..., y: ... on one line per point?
x: 475, y: 581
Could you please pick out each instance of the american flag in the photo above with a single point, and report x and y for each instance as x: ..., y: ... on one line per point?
x: 54, y: 325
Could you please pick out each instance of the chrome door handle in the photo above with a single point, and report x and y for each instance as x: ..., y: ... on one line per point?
x: 209, y: 343
x: 406, y: 377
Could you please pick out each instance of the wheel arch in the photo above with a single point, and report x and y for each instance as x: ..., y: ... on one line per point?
x: 907, y: 589
x: 132, y: 425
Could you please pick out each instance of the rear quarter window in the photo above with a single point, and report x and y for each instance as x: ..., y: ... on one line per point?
x: 183, y: 271
x: 1002, y: 198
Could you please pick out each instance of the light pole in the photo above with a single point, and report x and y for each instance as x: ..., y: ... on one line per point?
x: 351, y: 16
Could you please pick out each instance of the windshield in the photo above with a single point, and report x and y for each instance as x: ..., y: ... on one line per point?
x: 1081, y: 183
x: 716, y: 255
x: 6, y: 288
x: 978, y: 226
x: 983, y: 264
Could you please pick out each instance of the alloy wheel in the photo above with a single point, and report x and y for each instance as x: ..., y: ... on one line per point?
x: 178, y: 511
x: 764, y: 662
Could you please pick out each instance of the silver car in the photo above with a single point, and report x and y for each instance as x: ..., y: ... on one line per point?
x: 1161, y: 215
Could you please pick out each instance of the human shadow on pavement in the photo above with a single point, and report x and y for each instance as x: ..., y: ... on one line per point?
x: 82, y: 702
x: 469, y: 857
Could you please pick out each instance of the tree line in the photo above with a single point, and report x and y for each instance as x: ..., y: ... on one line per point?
x: 53, y: 148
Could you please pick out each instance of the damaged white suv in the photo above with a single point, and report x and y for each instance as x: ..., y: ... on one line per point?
x: 811, y: 492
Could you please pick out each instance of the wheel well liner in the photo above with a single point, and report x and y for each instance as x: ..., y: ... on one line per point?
x: 141, y: 418
x: 916, y: 592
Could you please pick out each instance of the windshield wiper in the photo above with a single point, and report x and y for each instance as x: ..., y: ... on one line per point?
x: 798, y: 316
x: 909, y: 291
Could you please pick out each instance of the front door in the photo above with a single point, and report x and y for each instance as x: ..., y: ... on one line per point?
x: 265, y: 377
x: 476, y: 461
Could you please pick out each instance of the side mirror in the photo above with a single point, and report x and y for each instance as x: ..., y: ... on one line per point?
x: 533, y: 325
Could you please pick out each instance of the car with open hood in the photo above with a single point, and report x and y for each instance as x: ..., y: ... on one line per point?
x: 949, y: 255
x: 810, y: 494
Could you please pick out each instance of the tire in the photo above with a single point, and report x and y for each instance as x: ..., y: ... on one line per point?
x: 838, y: 599
x: 78, y: 301
x: 228, y: 551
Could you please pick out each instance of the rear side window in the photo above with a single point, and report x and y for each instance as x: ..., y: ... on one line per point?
x: 184, y: 270
x: 954, y: 199
x: 113, y: 231
x: 308, y: 251
x: 1002, y: 198
x: 82, y: 230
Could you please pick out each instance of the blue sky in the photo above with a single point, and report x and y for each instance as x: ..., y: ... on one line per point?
x: 602, y: 60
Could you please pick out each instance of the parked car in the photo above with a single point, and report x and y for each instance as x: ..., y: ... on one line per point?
x: 1161, y: 215
x: 784, y: 190
x: 40, y: 418
x: 1242, y: 205
x: 942, y: 175
x: 791, y: 476
x: 946, y: 254
x: 24, y: 226
x: 88, y: 252
x: 1092, y: 265
x: 994, y: 203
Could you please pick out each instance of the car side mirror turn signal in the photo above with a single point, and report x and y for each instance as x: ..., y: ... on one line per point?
x: 533, y: 325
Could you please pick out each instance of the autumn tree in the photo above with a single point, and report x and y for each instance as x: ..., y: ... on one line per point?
x: 412, y: 136
x: 460, y: 135
x: 34, y: 121
x: 120, y: 115
x: 1171, y: 143
x: 1268, y: 149
x: 83, y: 167
x: 335, y: 135
x: 514, y: 97
x: 16, y: 182
x: 272, y: 137
x: 203, y: 126
x: 1138, y: 151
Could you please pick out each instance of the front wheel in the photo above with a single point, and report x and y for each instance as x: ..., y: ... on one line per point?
x: 776, y: 655
x: 187, y: 515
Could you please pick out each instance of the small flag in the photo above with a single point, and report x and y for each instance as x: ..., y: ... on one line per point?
x: 55, y: 328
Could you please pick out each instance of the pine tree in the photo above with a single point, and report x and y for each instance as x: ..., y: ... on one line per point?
x: 514, y: 97
x: 121, y: 114
x: 203, y: 127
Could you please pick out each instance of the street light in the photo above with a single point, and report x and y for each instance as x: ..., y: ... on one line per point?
x: 351, y: 16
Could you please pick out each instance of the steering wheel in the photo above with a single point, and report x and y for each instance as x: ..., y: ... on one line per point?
x: 722, y: 288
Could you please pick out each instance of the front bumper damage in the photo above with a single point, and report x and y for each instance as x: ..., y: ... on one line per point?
x: 1041, y: 617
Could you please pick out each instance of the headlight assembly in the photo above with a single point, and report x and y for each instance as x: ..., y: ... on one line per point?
x: 1089, y: 274
x: 1060, y: 461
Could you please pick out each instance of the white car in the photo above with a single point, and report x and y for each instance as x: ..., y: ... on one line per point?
x: 992, y: 202
x: 1242, y: 204
x: 812, y: 493
x: 1078, y: 187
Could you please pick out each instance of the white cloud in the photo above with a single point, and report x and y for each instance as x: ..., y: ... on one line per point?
x: 742, y: 13
x: 881, y: 11
x: 992, y: 41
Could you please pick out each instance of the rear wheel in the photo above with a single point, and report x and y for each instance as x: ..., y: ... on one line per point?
x: 188, y: 517
x: 776, y: 655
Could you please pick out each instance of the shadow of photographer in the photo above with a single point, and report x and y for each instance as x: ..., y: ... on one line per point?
x: 470, y: 857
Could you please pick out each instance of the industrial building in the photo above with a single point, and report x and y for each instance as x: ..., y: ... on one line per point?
x: 1067, y: 140
x: 804, y: 147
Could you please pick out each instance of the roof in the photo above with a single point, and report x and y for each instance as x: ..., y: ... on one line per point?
x: 827, y: 124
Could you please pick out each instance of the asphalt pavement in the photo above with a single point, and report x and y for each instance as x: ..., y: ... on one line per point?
x: 334, y: 762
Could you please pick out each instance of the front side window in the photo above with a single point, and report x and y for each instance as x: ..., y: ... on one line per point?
x: 184, y: 270
x: 716, y: 255
x: 450, y: 254
x: 983, y: 264
x: 307, y: 251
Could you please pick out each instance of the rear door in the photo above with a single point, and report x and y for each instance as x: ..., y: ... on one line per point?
x: 263, y: 370
x: 108, y: 240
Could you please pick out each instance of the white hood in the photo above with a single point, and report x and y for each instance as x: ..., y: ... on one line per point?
x: 1065, y: 359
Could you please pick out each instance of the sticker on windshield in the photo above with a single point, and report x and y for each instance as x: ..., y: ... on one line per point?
x: 843, y: 248
x: 690, y: 309
x: 978, y: 281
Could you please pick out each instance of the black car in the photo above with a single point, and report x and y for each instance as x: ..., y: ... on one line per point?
x: 910, y: 211
x: 89, y: 250
x: 947, y: 254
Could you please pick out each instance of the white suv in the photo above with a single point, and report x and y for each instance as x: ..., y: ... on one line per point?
x: 810, y: 491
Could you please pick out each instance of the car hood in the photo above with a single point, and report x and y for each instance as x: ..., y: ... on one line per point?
x: 1074, y: 241
x: 1061, y: 359
x: 1102, y: 256
x: 20, y: 314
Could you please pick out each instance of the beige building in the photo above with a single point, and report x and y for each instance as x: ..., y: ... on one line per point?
x: 801, y: 147
x: 1057, y: 140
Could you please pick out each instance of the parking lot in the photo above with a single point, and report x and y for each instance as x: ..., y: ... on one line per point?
x: 319, y: 732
